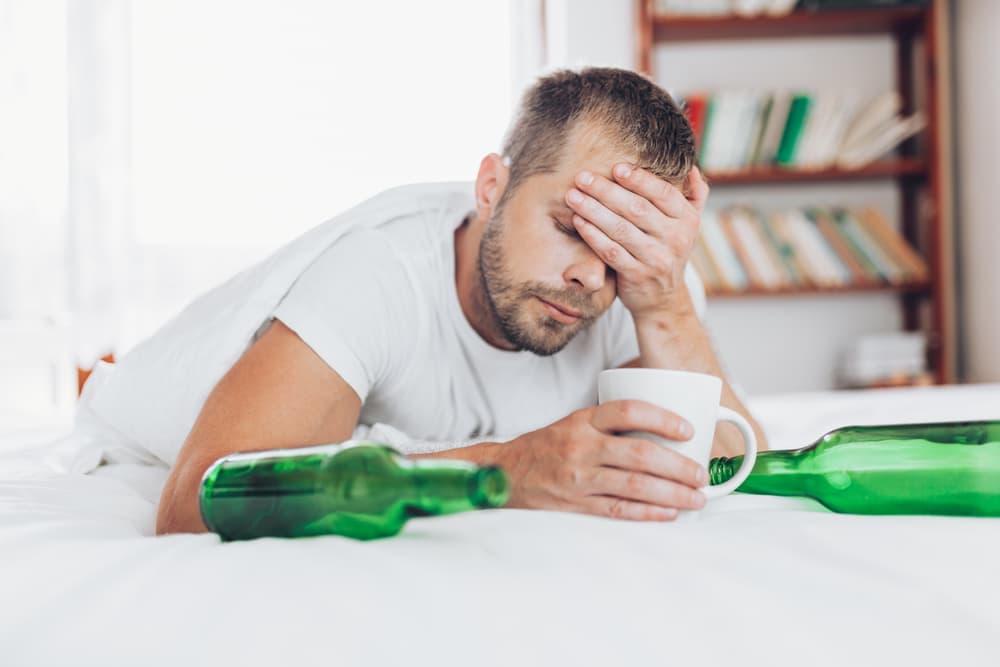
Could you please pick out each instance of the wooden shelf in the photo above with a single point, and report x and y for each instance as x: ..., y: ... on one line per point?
x: 921, y: 288
x: 892, y: 20
x: 891, y: 168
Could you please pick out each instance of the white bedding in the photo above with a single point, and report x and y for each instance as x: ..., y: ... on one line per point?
x: 752, y: 580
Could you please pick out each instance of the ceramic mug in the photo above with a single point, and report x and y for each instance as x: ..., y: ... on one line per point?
x: 693, y: 396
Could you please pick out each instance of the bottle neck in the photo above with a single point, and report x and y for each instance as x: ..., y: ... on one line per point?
x: 446, y: 487
x: 777, y: 472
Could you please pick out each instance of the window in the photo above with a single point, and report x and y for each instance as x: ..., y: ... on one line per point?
x: 252, y: 122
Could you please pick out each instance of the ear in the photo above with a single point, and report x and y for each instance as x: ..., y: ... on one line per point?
x: 490, y: 183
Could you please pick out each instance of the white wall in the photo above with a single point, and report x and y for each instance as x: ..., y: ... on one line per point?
x: 977, y: 25
x: 774, y: 344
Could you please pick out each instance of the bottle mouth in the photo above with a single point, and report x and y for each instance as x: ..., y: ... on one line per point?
x: 489, y: 488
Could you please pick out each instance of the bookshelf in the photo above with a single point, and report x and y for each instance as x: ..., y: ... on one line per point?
x: 918, y: 170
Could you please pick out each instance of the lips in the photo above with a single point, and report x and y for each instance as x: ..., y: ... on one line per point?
x: 561, y: 313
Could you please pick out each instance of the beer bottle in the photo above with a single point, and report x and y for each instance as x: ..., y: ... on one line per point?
x: 942, y: 468
x: 357, y: 489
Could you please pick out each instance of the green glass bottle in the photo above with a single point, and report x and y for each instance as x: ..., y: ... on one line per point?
x: 357, y: 489
x: 944, y: 468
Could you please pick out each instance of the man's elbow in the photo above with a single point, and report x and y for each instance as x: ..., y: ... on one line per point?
x: 178, y: 511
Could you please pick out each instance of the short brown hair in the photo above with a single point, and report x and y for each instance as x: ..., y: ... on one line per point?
x: 639, y: 116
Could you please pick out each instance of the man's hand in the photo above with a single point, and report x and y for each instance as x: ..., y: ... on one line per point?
x: 642, y: 227
x: 579, y: 464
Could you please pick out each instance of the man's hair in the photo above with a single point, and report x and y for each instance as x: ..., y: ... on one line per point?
x: 631, y: 111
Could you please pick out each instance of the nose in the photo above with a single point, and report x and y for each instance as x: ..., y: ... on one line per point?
x: 588, y: 271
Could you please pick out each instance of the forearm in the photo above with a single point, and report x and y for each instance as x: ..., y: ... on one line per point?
x: 678, y: 340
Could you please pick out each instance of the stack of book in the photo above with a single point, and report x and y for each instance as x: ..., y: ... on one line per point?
x: 741, y: 249
x: 736, y: 130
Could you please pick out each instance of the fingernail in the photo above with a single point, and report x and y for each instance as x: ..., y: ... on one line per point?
x: 623, y: 170
x: 702, y: 477
x: 586, y: 178
x: 698, y: 499
x: 575, y: 196
x: 686, y: 430
x: 669, y: 514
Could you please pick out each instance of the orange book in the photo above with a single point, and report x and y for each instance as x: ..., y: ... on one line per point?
x: 726, y: 222
x: 893, y: 243
x: 827, y: 227
x: 780, y: 226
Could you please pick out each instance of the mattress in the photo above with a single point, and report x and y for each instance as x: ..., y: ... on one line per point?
x: 749, y: 580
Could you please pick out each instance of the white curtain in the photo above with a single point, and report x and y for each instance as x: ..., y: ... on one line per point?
x: 203, y: 134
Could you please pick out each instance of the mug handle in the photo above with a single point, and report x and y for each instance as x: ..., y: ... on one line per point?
x: 749, y: 458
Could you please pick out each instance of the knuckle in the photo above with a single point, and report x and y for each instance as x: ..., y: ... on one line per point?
x: 638, y: 207
x: 618, y: 508
x: 611, y: 254
x: 634, y: 484
x: 642, y: 454
x: 620, y: 229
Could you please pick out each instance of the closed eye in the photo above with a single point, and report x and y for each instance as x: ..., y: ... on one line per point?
x: 568, y: 231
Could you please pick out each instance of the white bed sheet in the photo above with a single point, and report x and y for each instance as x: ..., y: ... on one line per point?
x: 751, y: 580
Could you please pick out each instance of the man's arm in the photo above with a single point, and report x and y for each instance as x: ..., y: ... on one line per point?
x: 644, y: 228
x: 279, y: 394
x: 681, y: 342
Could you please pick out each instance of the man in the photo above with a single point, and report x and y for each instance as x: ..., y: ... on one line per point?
x: 452, y: 324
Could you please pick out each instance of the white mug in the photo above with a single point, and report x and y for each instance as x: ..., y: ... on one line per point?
x: 693, y: 396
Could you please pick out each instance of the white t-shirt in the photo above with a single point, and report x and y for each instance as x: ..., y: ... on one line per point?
x: 380, y: 307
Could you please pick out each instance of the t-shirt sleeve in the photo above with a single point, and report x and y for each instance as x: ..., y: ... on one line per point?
x: 623, y: 346
x: 350, y: 306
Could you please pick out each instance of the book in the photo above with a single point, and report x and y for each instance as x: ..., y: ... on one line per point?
x: 876, y: 114
x: 867, y: 248
x: 733, y: 237
x: 721, y: 252
x: 784, y: 251
x: 744, y: 226
x: 890, y: 136
x: 776, y: 118
x: 861, y: 273
x: 792, y: 134
x: 913, y: 265
x: 696, y: 109
x: 819, y: 258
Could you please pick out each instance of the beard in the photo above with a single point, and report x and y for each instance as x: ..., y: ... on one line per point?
x: 509, y: 305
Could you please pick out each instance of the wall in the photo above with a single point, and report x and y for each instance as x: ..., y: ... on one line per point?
x: 776, y: 344
x: 977, y: 53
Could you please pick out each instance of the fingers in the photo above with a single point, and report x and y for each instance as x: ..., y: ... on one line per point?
x: 632, y: 415
x: 620, y: 508
x: 604, y: 201
x: 697, y: 189
x: 611, y: 252
x: 648, y: 489
x: 664, y: 195
x: 651, y: 458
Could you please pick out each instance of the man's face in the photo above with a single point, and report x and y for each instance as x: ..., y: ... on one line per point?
x: 535, y: 267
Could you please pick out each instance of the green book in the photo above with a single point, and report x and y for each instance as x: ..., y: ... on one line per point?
x: 871, y: 266
x: 797, y: 115
x: 785, y: 251
x: 707, y: 127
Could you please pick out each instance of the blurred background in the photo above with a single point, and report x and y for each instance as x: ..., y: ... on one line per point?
x: 151, y: 149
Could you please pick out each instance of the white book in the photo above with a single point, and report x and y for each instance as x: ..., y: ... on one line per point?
x: 877, y: 113
x: 847, y: 107
x: 817, y: 124
x: 819, y: 251
x: 782, y: 101
x: 897, y: 133
x: 742, y: 223
x: 724, y: 255
x: 715, y: 133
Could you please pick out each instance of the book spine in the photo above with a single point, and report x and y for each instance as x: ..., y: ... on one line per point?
x: 735, y: 242
x: 725, y: 259
x: 914, y: 265
x: 797, y: 115
x: 783, y: 249
x: 860, y: 274
x: 892, y: 272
